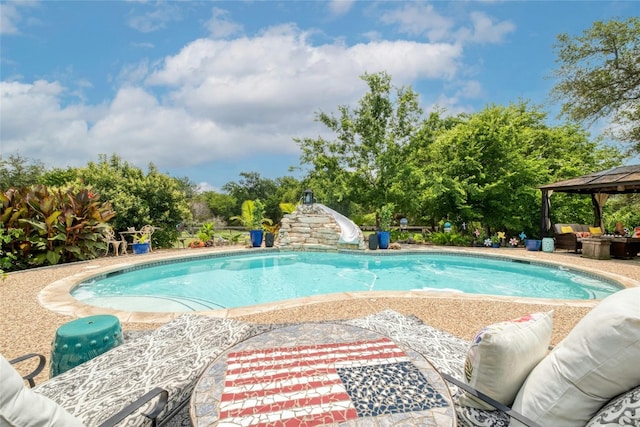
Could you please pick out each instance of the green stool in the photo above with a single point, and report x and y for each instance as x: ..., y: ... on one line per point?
x: 83, y: 339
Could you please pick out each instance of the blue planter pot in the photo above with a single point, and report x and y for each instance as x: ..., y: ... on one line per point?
x: 532, y: 244
x: 384, y: 238
x: 140, y: 248
x: 256, y: 238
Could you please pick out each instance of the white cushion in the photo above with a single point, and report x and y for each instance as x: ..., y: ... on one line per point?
x: 597, y: 361
x: 503, y: 354
x: 20, y: 406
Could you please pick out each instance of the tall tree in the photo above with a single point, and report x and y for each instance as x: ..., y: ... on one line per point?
x: 220, y: 205
x: 251, y: 186
x: 17, y: 171
x: 138, y: 198
x: 364, y: 161
x: 488, y: 167
x: 599, y: 77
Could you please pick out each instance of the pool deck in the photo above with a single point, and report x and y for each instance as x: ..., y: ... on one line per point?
x: 31, y: 314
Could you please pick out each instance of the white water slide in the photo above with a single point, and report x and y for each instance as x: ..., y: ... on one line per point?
x: 349, y: 231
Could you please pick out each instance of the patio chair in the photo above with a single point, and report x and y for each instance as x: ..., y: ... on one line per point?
x: 589, y: 379
x: 170, y: 358
x: 148, y: 231
x: 119, y: 246
x: 21, y: 406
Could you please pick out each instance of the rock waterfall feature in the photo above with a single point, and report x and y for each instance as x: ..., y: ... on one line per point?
x: 315, y: 226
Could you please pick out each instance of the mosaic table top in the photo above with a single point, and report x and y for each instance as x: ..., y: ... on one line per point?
x: 321, y: 374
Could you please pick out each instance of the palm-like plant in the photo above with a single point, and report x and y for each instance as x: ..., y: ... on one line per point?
x: 252, y: 215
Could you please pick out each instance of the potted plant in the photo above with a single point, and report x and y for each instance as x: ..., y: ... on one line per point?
x: 495, y: 241
x: 270, y: 231
x: 479, y: 237
x: 385, y: 213
x: 533, y: 244
x: 141, y: 244
x: 206, y: 233
x: 252, y: 217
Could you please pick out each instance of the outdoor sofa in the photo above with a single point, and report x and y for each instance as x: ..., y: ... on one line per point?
x: 589, y: 379
x: 569, y: 236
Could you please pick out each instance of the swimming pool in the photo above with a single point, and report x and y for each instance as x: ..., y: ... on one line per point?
x: 209, y: 283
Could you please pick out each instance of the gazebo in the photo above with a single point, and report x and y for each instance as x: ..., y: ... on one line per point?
x: 623, y: 179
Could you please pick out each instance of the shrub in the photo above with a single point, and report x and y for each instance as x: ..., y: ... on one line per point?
x: 50, y: 227
x: 450, y: 239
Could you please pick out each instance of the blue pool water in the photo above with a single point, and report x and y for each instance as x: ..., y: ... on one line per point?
x: 248, y: 279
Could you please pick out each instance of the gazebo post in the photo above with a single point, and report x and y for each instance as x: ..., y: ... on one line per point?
x: 596, y: 211
x: 598, y: 200
x: 545, y: 220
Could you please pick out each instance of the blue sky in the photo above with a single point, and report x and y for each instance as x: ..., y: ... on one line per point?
x: 211, y: 89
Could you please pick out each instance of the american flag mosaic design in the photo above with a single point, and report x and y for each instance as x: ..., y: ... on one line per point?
x: 322, y: 384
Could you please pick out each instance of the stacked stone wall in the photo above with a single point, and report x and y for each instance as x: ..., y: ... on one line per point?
x: 310, y: 227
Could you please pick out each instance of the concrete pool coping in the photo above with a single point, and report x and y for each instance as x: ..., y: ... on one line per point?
x: 57, y: 298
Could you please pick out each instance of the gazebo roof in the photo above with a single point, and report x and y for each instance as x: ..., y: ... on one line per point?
x: 623, y: 179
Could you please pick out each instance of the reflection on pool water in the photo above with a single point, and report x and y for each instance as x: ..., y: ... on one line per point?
x: 248, y: 279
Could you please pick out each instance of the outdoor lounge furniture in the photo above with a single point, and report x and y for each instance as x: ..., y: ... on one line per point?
x: 597, y: 379
x: 20, y: 406
x: 570, y: 240
x: 119, y: 246
x: 171, y: 358
x: 603, y: 364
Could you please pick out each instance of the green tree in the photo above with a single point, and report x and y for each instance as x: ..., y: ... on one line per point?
x: 624, y: 208
x: 187, y: 186
x: 17, y: 171
x: 221, y: 205
x: 249, y: 187
x: 58, y: 177
x: 138, y: 198
x: 488, y: 167
x: 599, y: 77
x: 252, y: 186
x: 426, y: 194
x: 364, y: 162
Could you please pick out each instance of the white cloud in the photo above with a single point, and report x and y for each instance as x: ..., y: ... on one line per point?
x: 255, y: 67
x: 340, y: 7
x: 419, y: 19
x: 9, y: 18
x: 205, y: 186
x: 52, y: 133
x: 485, y: 30
x: 220, y: 26
x: 470, y: 89
x: 214, y: 100
x: 156, y: 19
x: 134, y: 73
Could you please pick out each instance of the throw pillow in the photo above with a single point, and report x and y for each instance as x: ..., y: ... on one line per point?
x: 595, y: 362
x: 596, y: 231
x: 566, y: 229
x: 21, y: 406
x: 623, y: 410
x: 502, y: 355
